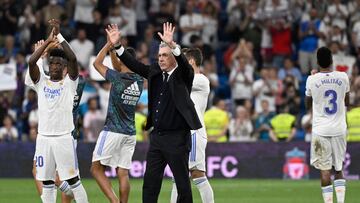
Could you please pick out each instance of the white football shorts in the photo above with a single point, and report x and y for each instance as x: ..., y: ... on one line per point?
x: 56, y: 153
x: 114, y: 149
x: 197, y: 153
x: 327, y: 152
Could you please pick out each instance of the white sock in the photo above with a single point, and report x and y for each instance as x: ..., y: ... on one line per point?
x: 48, y: 194
x: 206, y: 192
x: 65, y: 188
x: 340, y: 188
x: 327, y: 193
x: 174, y: 193
x: 79, y: 192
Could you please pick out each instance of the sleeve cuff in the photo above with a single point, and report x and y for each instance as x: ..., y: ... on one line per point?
x: 60, y: 38
x: 120, y: 51
x: 176, y: 51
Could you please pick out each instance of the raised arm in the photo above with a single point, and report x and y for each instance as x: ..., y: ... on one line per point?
x: 33, y: 67
x: 115, y: 61
x: 72, y: 66
x: 167, y: 36
x: 114, y: 36
x: 98, y: 63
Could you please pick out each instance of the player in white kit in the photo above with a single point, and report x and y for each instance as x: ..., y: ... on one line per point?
x: 55, y: 147
x: 327, y: 92
x: 63, y: 186
x: 199, y: 95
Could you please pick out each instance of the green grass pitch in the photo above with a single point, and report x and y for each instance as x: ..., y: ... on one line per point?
x: 226, y: 191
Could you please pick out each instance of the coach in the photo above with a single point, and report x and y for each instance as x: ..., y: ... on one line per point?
x: 171, y: 113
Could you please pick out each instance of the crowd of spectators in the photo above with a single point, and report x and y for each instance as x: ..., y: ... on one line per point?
x: 257, y: 56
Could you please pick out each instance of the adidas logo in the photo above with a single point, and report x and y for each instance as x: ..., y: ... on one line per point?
x: 133, y: 89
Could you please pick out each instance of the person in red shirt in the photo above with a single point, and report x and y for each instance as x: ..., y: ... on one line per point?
x: 281, y: 38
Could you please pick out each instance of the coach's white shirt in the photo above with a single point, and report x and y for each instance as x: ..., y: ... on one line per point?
x: 328, y: 92
x: 55, y: 104
x: 199, y: 95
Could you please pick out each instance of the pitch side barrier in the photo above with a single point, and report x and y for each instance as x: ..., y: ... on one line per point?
x: 225, y: 160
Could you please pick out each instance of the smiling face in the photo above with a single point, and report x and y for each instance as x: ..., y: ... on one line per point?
x: 167, y: 61
x: 56, y: 67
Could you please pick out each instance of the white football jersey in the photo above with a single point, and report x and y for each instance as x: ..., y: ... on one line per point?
x: 328, y: 92
x: 55, y: 104
x: 28, y: 81
x: 199, y: 95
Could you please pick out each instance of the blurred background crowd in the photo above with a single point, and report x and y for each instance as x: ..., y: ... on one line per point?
x: 257, y: 56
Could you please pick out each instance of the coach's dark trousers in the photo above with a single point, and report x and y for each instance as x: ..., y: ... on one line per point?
x: 172, y: 148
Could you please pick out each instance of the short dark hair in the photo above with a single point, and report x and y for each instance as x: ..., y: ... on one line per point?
x: 216, y: 101
x: 194, y: 39
x: 194, y: 53
x: 324, y: 57
x: 131, y: 51
x: 91, y: 99
x: 56, y: 52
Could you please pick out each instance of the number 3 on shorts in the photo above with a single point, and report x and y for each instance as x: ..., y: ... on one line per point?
x: 39, y: 161
x: 333, y: 108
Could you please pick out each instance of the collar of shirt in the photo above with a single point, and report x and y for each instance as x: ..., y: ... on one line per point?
x: 170, y: 72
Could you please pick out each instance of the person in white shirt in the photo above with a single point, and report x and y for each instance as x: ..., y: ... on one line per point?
x: 199, y: 95
x: 63, y: 186
x: 355, y: 36
x: 327, y: 93
x: 264, y: 89
x: 241, y: 81
x: 240, y: 127
x: 338, y: 35
x: 338, y: 13
x: 128, y: 12
x: 92, y: 116
x: 83, y: 11
x: 83, y: 48
x: 8, y: 132
x: 190, y: 24
x: 55, y: 146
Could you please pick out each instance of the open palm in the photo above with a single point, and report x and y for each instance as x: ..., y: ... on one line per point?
x: 55, y: 24
x: 168, y: 33
x: 113, y: 34
x: 51, y: 37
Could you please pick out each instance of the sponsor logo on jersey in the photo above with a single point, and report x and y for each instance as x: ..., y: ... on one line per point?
x: 51, y: 93
x: 131, y: 94
x: 133, y: 89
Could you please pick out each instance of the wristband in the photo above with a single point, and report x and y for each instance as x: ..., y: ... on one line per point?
x: 120, y: 50
x: 176, y: 51
x: 60, y: 38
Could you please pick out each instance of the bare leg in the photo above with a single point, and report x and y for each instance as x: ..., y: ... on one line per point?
x: 98, y: 172
x: 65, y: 198
x: 339, y: 175
x: 325, y: 177
x: 326, y: 186
x: 124, y: 184
x: 38, y: 184
x: 197, y: 174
